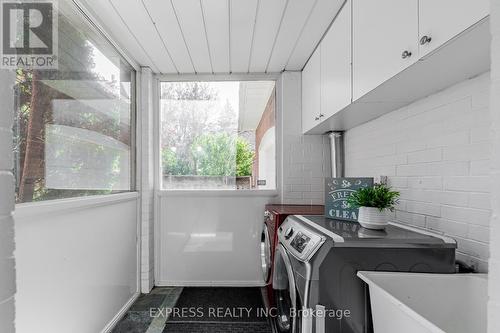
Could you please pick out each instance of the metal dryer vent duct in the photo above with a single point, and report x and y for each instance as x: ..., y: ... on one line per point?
x: 337, y: 153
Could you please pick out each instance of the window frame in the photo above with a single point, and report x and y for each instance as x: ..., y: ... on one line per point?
x: 159, y: 78
x: 93, y: 23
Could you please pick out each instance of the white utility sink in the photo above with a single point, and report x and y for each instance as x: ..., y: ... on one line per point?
x: 419, y: 303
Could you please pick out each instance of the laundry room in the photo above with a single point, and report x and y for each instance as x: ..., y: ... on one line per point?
x: 284, y: 166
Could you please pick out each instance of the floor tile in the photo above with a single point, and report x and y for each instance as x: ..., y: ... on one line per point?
x: 145, y: 302
x: 133, y: 322
x: 203, y: 327
x: 139, y: 319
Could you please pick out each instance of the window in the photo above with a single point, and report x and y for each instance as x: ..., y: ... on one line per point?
x: 73, y: 129
x: 218, y: 135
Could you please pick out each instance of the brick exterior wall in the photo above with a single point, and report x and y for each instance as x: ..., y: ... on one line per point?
x: 436, y: 152
x: 7, y: 195
x: 266, y: 122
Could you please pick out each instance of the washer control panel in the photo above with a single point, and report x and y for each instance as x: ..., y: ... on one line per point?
x: 299, y: 240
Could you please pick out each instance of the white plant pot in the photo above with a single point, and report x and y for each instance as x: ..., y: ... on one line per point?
x: 373, y: 218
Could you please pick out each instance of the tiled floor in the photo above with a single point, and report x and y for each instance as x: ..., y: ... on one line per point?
x: 148, y: 313
x: 201, y: 327
x: 138, y: 318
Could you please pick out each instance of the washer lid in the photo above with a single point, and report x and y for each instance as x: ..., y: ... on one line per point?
x: 352, y: 234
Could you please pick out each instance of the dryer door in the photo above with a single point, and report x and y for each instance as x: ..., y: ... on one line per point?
x: 265, y: 252
x: 285, y: 291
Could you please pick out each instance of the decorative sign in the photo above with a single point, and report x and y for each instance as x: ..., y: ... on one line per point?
x: 337, y: 190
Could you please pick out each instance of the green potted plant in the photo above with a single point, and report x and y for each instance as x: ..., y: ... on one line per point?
x: 374, y: 204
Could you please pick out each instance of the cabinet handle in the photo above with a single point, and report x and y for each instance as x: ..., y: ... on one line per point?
x: 321, y: 115
x: 425, y: 40
x: 316, y: 118
x: 405, y: 54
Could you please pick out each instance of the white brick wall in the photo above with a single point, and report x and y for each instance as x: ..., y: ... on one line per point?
x: 7, y: 191
x: 494, y: 263
x: 436, y: 152
x: 306, y: 158
x: 146, y: 179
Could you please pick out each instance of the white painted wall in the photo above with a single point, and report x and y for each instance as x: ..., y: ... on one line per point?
x: 145, y: 146
x: 494, y: 263
x: 210, y: 238
x: 436, y: 152
x: 7, y: 261
x: 76, y: 262
x: 305, y: 158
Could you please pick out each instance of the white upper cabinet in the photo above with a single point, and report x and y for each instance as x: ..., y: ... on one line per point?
x: 311, y: 91
x: 336, y: 65
x: 441, y: 20
x: 379, y: 55
x: 385, y: 41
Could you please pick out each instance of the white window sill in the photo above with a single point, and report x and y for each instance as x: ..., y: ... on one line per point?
x: 217, y: 193
x: 30, y: 209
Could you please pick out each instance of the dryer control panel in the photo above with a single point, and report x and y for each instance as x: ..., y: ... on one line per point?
x: 299, y: 240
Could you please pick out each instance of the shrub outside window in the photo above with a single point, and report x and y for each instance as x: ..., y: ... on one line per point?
x: 218, y: 135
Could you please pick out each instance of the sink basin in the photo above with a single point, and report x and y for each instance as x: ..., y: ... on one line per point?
x: 419, y: 302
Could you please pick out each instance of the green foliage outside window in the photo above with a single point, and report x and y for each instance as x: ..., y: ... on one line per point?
x: 216, y: 154
x: 244, y: 158
x: 172, y: 164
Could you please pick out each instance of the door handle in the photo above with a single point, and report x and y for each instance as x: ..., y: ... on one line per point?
x: 425, y: 40
x: 406, y: 54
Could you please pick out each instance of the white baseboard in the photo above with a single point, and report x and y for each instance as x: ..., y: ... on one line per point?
x: 167, y: 283
x: 120, y: 314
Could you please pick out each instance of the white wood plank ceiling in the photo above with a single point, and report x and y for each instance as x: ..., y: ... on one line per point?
x: 217, y: 36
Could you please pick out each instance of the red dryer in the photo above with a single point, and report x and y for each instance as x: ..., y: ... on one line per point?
x: 274, y: 215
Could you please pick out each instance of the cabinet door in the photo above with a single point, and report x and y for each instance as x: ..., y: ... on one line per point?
x: 311, y: 94
x: 336, y: 65
x: 383, y: 31
x: 441, y: 20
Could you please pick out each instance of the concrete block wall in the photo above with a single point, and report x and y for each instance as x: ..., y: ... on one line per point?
x: 436, y: 152
x: 7, y: 192
x: 146, y: 179
x: 305, y: 158
x: 494, y: 263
